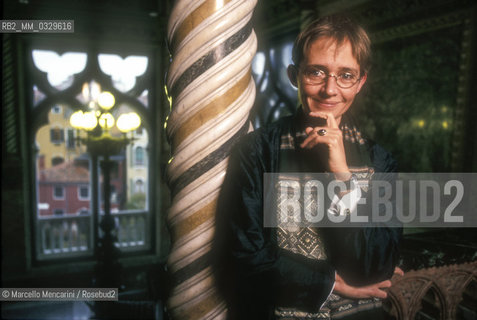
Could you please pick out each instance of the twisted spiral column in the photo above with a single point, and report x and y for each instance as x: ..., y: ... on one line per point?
x: 209, y: 81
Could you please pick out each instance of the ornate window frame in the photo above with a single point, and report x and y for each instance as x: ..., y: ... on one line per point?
x: 37, y: 116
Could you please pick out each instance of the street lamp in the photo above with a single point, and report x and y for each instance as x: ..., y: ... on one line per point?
x: 98, y: 122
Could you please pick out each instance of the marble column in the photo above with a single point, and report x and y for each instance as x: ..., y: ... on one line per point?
x: 211, y: 90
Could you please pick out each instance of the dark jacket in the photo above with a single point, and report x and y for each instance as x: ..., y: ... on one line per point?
x: 253, y: 273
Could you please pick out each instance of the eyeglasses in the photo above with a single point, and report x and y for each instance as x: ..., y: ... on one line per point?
x: 344, y: 80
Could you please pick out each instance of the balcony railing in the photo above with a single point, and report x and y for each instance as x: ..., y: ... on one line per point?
x: 130, y: 229
x: 72, y: 235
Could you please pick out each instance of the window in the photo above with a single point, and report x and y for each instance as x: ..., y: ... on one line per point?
x: 83, y: 193
x: 58, y: 193
x: 56, y: 161
x: 71, y: 142
x: 275, y: 98
x: 123, y: 72
x: 64, y: 168
x: 57, y: 135
x: 58, y: 212
x: 139, y: 156
x: 139, y: 186
x: 60, y: 69
x: 56, y: 109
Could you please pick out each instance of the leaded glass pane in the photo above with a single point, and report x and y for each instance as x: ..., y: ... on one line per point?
x: 60, y: 69
x: 123, y: 71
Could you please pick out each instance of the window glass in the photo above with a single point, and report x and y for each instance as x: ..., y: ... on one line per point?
x: 144, y: 98
x: 276, y: 97
x: 60, y: 69
x: 123, y: 71
x: 66, y: 186
x: 38, y: 96
x: 61, y: 168
x: 127, y: 207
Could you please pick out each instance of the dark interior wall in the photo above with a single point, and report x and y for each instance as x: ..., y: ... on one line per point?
x: 424, y: 70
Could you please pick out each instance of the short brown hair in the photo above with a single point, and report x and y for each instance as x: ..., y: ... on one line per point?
x: 339, y: 27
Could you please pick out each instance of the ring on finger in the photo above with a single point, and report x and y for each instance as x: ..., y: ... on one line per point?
x: 322, y: 132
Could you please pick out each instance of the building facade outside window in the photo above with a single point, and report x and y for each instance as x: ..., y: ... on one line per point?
x: 68, y: 179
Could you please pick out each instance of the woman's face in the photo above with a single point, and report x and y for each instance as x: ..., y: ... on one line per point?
x: 324, y: 54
